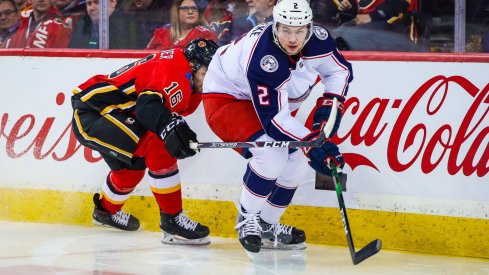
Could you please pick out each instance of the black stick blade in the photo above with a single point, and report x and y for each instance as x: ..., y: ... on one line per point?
x: 368, y: 251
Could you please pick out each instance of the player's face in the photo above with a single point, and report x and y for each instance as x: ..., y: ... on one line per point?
x: 291, y: 38
x: 199, y: 78
x: 188, y: 13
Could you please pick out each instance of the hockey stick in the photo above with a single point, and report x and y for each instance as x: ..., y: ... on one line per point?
x: 370, y: 249
x: 317, y: 142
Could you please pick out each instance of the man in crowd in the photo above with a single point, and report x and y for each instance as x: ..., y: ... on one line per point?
x: 260, y: 11
x: 124, y: 32
x: 43, y: 27
x: 9, y: 21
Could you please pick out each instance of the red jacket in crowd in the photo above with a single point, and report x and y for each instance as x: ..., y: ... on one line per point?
x: 49, y: 32
x: 162, y: 38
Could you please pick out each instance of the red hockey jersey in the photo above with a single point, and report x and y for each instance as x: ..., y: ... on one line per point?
x: 162, y: 78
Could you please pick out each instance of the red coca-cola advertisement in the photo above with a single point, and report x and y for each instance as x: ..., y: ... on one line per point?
x: 415, y: 136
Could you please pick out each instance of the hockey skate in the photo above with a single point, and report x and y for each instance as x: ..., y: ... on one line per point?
x: 249, y: 230
x: 120, y: 220
x: 180, y: 229
x: 281, y: 236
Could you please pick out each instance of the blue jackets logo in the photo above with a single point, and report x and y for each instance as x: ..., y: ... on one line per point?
x: 269, y: 64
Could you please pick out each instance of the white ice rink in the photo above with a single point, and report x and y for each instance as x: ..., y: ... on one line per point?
x: 36, y: 248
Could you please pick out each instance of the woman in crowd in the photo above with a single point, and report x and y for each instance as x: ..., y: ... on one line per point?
x: 187, y: 23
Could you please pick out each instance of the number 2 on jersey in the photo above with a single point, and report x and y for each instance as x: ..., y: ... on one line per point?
x: 263, y: 95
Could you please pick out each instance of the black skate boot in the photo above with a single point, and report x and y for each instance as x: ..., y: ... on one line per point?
x: 180, y: 229
x: 120, y: 220
x: 249, y: 230
x: 281, y: 236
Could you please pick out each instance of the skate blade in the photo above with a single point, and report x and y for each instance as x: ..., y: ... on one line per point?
x: 95, y: 222
x: 253, y: 256
x: 266, y: 244
x: 177, y: 240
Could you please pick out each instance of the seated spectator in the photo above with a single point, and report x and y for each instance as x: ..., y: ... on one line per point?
x: 260, y: 11
x: 71, y: 10
x: 218, y: 15
x: 186, y: 24
x: 377, y: 25
x: 9, y: 21
x: 42, y: 27
x: 123, y: 31
x: 149, y: 15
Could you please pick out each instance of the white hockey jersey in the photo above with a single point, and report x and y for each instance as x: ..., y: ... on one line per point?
x: 254, y: 68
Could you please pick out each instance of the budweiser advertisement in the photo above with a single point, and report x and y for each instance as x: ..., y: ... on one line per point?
x: 415, y: 136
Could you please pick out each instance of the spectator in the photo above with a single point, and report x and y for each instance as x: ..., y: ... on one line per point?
x: 260, y: 12
x: 71, y: 10
x: 42, y: 27
x: 9, y: 21
x: 149, y: 15
x: 219, y: 17
x: 186, y: 24
x: 378, y: 25
x: 123, y: 31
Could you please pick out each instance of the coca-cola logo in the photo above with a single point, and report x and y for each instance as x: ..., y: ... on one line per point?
x: 472, y: 132
x: 449, y: 137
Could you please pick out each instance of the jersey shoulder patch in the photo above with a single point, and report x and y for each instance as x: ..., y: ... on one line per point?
x: 269, y: 63
x: 320, y: 32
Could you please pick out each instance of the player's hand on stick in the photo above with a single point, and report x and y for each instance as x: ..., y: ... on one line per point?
x: 178, y: 136
x: 323, y: 110
x: 321, y: 158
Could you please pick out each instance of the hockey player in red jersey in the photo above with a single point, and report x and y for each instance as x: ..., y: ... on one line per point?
x: 251, y: 89
x: 133, y: 118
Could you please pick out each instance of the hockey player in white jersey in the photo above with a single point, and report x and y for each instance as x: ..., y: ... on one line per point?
x: 252, y: 87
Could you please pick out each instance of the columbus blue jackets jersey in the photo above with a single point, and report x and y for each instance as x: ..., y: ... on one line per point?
x: 254, y: 68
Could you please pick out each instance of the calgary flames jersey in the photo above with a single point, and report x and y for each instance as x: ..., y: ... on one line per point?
x: 144, y: 87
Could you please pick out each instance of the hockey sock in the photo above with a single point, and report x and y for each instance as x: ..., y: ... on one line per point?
x: 167, y: 191
x: 116, y: 191
x: 277, y: 203
x: 256, y: 190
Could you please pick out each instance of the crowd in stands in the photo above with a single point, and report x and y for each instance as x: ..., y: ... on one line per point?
x: 380, y: 25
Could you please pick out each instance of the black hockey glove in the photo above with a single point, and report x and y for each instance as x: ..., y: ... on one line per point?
x: 177, y: 136
x: 321, y: 157
x: 321, y: 115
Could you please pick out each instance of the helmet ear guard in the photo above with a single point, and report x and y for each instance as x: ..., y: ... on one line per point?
x: 295, y: 13
x: 199, y: 52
